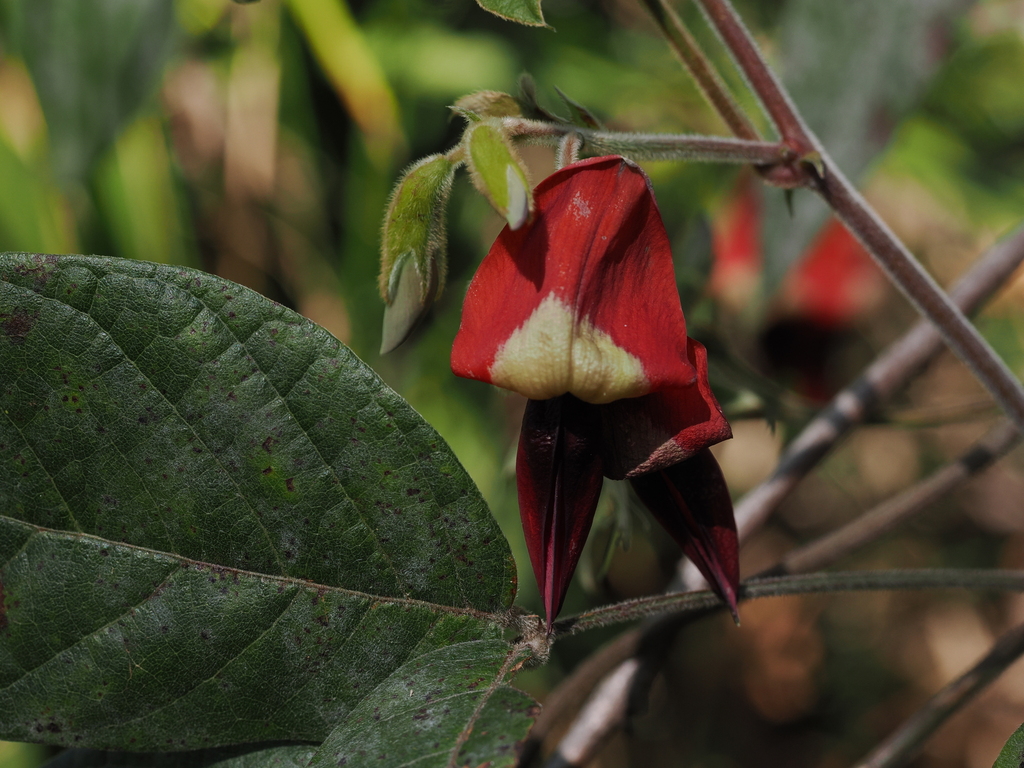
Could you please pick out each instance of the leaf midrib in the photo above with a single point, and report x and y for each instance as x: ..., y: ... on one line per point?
x: 186, y: 562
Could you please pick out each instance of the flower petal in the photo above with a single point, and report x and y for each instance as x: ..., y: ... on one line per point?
x: 558, y: 475
x: 653, y: 432
x: 583, y: 299
x: 691, y: 501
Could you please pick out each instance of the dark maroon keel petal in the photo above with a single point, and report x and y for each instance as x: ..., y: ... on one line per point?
x: 644, y: 434
x: 558, y: 475
x: 691, y: 501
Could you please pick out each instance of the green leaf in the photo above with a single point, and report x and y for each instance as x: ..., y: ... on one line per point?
x: 855, y: 70
x: 26, y: 205
x: 579, y: 114
x: 218, y: 527
x: 526, y: 12
x: 93, y: 65
x: 1012, y: 754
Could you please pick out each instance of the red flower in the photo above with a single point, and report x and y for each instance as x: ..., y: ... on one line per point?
x: 829, y: 289
x: 579, y: 312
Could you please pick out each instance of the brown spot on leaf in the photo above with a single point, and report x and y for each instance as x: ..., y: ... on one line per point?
x: 17, y: 326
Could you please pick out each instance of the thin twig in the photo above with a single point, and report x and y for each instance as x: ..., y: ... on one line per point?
x: 891, y: 371
x: 648, y: 645
x: 604, y: 711
x: 921, y: 289
x: 862, y: 221
x: 832, y: 581
x: 654, y: 146
x: 570, y: 695
x: 701, y: 69
x: 890, y: 513
x: 597, y: 721
x: 762, y: 81
x: 630, y: 669
x: 904, y: 744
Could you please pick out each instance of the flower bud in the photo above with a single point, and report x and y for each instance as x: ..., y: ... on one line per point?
x: 498, y: 173
x: 489, y: 104
x: 413, y: 256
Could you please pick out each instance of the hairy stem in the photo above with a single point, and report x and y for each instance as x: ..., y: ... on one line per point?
x: 653, y: 146
x: 838, y: 581
x: 762, y: 81
x: 893, y: 257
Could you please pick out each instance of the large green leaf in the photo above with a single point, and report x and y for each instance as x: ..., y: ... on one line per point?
x: 854, y: 70
x: 217, y: 526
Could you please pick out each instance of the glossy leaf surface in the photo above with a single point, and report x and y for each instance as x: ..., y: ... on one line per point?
x: 219, y: 527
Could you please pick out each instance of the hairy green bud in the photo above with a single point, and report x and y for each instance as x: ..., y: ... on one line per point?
x: 413, y: 256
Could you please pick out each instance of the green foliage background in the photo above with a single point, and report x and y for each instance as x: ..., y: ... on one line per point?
x: 260, y: 142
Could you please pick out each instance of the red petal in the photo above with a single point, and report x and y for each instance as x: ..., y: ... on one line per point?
x: 691, y: 501
x: 836, y: 281
x: 653, y: 432
x: 736, y: 244
x: 558, y: 474
x: 596, y: 258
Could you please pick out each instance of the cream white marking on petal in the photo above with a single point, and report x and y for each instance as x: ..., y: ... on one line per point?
x: 552, y: 353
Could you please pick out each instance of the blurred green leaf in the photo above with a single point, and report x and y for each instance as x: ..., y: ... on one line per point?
x: 433, y: 61
x: 341, y: 49
x: 93, y: 65
x: 579, y: 114
x: 855, y: 70
x: 220, y: 527
x: 28, y: 209
x: 135, y: 187
x: 526, y: 12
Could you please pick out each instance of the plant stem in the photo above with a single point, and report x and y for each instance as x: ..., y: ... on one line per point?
x: 571, y: 693
x: 922, y: 290
x: 881, y: 380
x: 838, y: 581
x: 654, y: 146
x: 891, y: 512
x: 894, y: 258
x: 701, y: 69
x: 903, y: 745
x: 568, y: 150
x: 762, y: 81
x: 601, y: 714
